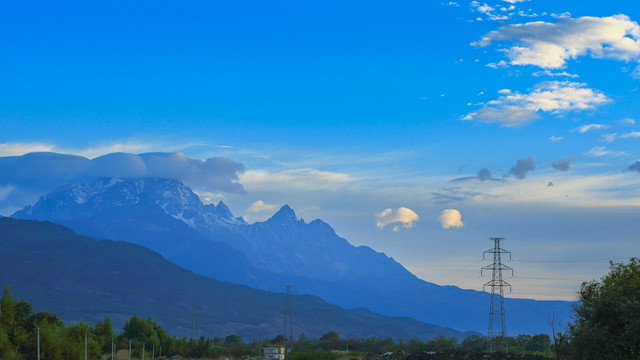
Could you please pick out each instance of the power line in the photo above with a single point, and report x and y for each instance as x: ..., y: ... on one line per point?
x: 572, y: 261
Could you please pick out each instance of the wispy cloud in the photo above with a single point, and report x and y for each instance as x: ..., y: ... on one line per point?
x: 551, y: 45
x: 108, y: 147
x: 555, y: 139
x: 609, y: 137
x: 598, y: 151
x: 514, y: 109
x: 633, y: 134
x: 553, y: 74
x: 306, y: 179
x: 584, y: 128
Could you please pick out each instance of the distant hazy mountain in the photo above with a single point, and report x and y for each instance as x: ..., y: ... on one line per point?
x: 169, y: 218
x: 83, y: 279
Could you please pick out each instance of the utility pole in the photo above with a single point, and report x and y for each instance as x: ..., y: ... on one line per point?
x: 194, y: 324
x: 497, y: 322
x: 288, y: 321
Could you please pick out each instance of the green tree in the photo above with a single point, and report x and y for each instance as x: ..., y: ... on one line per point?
x: 73, y: 343
x: 103, y: 331
x: 538, y: 343
x: 442, y: 344
x: 474, y: 344
x: 607, y: 318
x: 329, y: 340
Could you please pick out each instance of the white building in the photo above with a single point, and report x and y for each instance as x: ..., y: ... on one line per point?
x: 273, y: 352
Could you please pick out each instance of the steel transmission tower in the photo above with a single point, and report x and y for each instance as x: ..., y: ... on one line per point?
x: 497, y: 323
x: 288, y: 318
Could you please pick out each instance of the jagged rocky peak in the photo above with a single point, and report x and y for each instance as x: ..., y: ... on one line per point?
x: 284, y: 216
x: 223, y: 210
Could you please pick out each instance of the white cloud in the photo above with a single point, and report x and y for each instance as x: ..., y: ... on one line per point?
x: 514, y: 109
x: 515, y: 1
x: 304, y: 179
x: 584, y: 128
x: 452, y: 3
x: 488, y: 11
x: 260, y: 206
x: 499, y: 65
x: 599, y: 151
x: 555, y: 139
x: 627, y: 121
x: 633, y: 134
x: 17, y: 149
x: 551, y: 45
x: 553, y: 74
x: 609, y: 137
x: 450, y: 218
x: 402, y: 215
x: 563, y: 15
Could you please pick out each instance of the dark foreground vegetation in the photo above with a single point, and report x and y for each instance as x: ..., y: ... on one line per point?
x: 19, y: 326
x: 606, y: 326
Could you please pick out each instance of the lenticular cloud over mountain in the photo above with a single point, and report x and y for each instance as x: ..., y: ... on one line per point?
x: 30, y: 176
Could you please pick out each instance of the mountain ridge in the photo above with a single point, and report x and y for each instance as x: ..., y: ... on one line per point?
x: 281, y: 250
x: 120, y: 279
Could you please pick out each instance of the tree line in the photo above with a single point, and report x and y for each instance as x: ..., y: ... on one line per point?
x: 19, y: 326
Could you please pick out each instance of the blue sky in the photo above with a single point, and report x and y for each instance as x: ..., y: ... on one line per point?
x: 519, y: 115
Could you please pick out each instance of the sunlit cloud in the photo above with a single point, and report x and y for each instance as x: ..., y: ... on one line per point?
x: 260, y: 206
x: 551, y: 45
x: 450, y: 218
x: 404, y: 216
x: 514, y: 109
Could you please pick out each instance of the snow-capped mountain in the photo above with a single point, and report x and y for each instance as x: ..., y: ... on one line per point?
x: 166, y: 216
x: 161, y: 214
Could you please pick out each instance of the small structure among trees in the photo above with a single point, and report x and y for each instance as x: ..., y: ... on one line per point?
x: 273, y: 352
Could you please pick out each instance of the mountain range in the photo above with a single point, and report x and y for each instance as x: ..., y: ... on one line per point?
x: 80, y: 278
x: 166, y: 216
